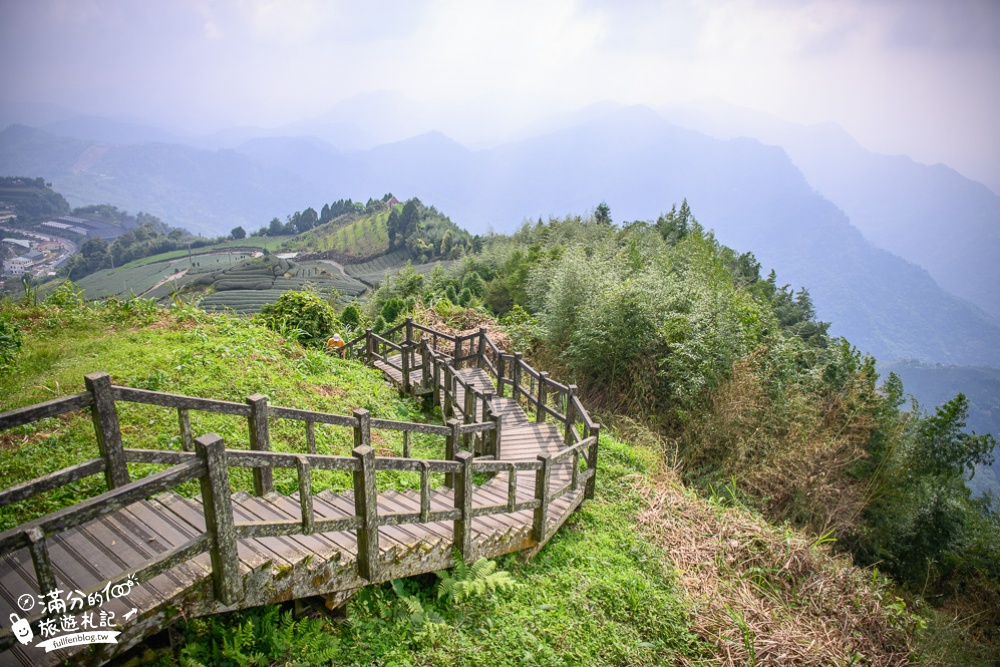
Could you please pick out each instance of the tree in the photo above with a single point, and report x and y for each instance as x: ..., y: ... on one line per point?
x: 238, y: 233
x: 602, y: 214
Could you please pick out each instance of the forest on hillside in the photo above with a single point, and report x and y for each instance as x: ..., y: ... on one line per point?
x: 680, y: 339
x: 681, y: 342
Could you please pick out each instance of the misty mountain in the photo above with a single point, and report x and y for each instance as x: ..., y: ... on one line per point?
x: 930, y: 215
x: 109, y: 131
x: 207, y: 192
x: 751, y: 194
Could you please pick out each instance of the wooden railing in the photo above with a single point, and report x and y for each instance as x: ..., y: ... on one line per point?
x: 437, y: 363
x: 428, y: 365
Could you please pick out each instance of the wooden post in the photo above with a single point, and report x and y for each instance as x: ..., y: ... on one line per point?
x: 570, y: 416
x: 406, y: 444
x: 44, y: 574
x: 542, y: 397
x: 481, y: 353
x: 500, y: 371
x: 486, y: 437
x: 470, y: 414
x: 539, y: 528
x: 260, y: 441
x: 217, y: 504
x: 409, y: 329
x: 305, y: 494
x: 463, y: 503
x: 425, y: 364
x: 404, y: 358
x: 366, y: 507
x: 452, y: 446
x: 458, y: 350
x: 493, y: 415
x: 588, y: 492
x: 469, y: 409
x: 187, y: 439
x: 369, y: 345
x: 516, y: 376
x: 109, y: 434
x: 311, y: 436
x: 437, y: 386
x: 363, y: 429
x: 449, y: 392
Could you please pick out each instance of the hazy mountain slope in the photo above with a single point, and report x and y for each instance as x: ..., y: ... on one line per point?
x: 751, y: 194
x: 929, y: 215
x: 205, y: 191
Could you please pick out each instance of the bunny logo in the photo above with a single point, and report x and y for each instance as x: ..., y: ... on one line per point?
x: 21, y: 629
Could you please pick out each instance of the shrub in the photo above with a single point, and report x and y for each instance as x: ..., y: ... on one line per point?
x: 11, y: 340
x: 306, y: 314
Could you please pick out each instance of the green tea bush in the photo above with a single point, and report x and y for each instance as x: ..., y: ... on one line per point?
x: 306, y: 313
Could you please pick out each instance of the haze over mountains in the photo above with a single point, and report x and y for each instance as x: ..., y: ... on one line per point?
x: 792, y: 206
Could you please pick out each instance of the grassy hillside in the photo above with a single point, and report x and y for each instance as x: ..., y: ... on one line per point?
x: 646, y: 574
x: 353, y: 235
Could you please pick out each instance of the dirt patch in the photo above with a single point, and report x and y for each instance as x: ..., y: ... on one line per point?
x: 766, y: 595
x: 327, y: 391
x: 465, y: 323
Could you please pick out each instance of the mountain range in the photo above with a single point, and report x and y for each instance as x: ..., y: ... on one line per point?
x: 899, y: 256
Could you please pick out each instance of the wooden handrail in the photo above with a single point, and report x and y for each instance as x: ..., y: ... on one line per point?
x: 210, y: 462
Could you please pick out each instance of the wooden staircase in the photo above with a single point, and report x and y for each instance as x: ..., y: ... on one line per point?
x: 221, y: 551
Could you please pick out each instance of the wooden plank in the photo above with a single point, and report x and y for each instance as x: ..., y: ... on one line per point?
x: 104, y: 504
x: 307, y: 416
x: 412, y: 533
x: 179, y: 401
x: 323, y: 543
x: 346, y: 541
x: 52, y: 408
x: 273, y: 547
x: 265, y: 510
x: 190, y: 512
x: 345, y: 503
x: 171, y: 534
x: 51, y: 481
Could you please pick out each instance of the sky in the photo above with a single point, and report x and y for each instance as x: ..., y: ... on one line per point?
x: 913, y: 77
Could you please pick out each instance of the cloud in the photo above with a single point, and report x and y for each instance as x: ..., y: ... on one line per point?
x: 894, y: 72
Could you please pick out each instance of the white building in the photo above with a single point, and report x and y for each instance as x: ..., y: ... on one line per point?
x: 20, y: 265
x: 16, y: 266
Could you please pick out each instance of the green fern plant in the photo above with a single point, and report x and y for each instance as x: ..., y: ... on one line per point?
x: 466, y: 582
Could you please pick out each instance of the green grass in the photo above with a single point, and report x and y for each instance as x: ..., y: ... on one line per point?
x: 597, y: 594
x: 185, y: 352
x: 360, y: 237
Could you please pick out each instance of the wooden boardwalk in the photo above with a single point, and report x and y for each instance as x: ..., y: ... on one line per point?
x: 282, y: 551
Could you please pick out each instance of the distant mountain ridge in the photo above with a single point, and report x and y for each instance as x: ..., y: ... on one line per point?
x: 751, y: 194
x: 928, y: 214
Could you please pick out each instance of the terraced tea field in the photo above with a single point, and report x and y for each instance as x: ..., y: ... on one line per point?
x: 238, y: 281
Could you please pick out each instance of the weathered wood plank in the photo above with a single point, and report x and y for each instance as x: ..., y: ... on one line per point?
x: 297, y: 414
x: 180, y: 401
x: 51, y: 481
x: 33, y: 413
x: 107, y: 503
x: 157, y: 456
